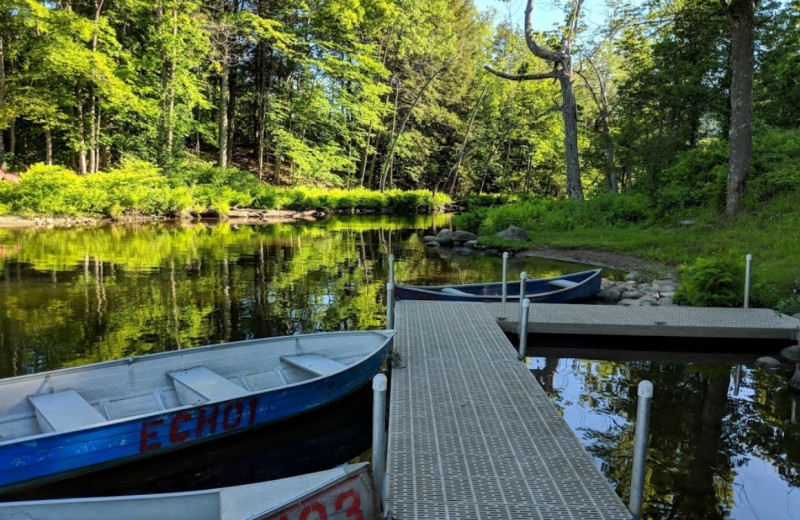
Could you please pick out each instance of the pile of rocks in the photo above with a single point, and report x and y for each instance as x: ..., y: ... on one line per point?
x: 462, y: 242
x: 635, y: 294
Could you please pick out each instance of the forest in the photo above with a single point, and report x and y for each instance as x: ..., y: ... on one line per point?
x: 408, y: 94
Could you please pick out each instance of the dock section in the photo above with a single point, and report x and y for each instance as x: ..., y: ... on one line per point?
x: 471, y: 433
x: 673, y: 321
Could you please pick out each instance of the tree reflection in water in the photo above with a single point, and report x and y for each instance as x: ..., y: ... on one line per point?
x: 714, y: 453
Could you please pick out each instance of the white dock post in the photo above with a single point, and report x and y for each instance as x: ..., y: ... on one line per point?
x: 748, y: 259
x: 379, y: 386
x: 390, y: 305
x: 523, y: 328
x: 505, y: 276
x: 391, y: 268
x: 523, y: 281
x: 640, y: 448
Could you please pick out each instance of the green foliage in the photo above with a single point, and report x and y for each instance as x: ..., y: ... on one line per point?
x: 140, y: 188
x: 774, y: 168
x: 560, y: 214
x: 790, y: 305
x: 712, y: 282
x: 697, y: 179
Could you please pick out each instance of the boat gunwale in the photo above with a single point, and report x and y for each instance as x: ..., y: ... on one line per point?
x: 339, y: 474
x: 177, y: 353
x: 139, y: 417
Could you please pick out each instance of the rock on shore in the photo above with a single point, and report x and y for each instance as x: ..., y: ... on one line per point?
x: 631, y: 293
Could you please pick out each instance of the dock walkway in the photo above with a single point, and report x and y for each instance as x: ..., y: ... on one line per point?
x: 616, y: 320
x: 471, y: 433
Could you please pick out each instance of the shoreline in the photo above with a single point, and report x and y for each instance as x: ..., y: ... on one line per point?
x: 238, y: 216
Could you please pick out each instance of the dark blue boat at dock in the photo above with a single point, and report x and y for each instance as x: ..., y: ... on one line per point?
x: 560, y: 289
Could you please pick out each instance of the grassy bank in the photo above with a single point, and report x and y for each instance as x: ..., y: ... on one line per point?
x: 139, y: 188
x: 771, y: 235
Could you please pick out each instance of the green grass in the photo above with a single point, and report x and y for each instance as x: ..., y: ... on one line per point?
x: 771, y: 235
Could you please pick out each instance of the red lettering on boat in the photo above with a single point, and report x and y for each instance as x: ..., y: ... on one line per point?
x: 354, y: 511
x: 176, y: 435
x: 253, y: 403
x: 227, y: 422
x: 148, y: 434
x: 314, y: 507
x: 211, y: 422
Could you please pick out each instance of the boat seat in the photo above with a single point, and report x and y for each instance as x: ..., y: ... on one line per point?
x: 64, y: 411
x: 199, y: 384
x: 451, y: 290
x: 562, y: 284
x: 314, y: 363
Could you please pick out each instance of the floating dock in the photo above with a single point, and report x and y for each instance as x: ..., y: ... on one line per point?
x: 673, y: 321
x: 472, y: 435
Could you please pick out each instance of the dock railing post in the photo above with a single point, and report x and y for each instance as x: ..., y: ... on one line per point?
x: 390, y: 305
x: 505, y: 276
x: 379, y: 386
x: 640, y: 448
x: 523, y: 328
x: 391, y: 268
x: 748, y: 259
x: 523, y: 282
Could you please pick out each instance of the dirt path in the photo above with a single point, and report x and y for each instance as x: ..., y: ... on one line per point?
x: 621, y: 261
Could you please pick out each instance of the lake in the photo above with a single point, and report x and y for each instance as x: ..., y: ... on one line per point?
x: 74, y: 296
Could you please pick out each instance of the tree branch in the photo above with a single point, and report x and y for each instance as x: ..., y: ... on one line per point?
x: 537, y: 51
x: 554, y: 74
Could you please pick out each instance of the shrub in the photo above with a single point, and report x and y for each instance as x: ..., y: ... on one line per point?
x: 790, y: 305
x: 712, y: 282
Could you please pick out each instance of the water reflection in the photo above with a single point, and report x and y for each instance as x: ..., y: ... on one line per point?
x: 714, y: 453
x: 78, y: 296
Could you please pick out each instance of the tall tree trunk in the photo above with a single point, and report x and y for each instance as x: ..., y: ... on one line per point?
x: 94, y: 130
x: 222, y: 161
x: 405, y: 120
x: 569, y: 113
x: 231, y: 112
x: 2, y: 102
x: 170, y: 137
x: 81, y: 130
x: 526, y: 186
x: 48, y: 145
x: 364, y: 156
x: 603, y: 123
x: 562, y: 71
x: 466, y: 137
x: 740, y: 21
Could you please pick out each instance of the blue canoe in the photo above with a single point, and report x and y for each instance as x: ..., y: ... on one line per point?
x: 560, y: 289
x: 60, y: 423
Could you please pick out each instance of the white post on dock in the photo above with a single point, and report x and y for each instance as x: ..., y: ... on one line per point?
x: 391, y: 268
x: 523, y: 283
x: 390, y: 305
x: 379, y: 386
x: 748, y: 259
x: 523, y: 328
x: 640, y: 448
x: 505, y: 276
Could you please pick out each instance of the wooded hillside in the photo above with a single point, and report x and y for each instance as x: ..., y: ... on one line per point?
x: 395, y: 93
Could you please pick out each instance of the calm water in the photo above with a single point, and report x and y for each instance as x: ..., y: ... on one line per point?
x: 78, y: 296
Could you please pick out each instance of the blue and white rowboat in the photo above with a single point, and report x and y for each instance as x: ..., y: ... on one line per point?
x: 344, y: 492
x: 75, y: 420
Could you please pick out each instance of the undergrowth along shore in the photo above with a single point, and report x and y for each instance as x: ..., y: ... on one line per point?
x: 708, y: 250
x: 138, y: 188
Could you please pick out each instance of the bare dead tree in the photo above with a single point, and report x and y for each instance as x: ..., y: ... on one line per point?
x: 561, y: 59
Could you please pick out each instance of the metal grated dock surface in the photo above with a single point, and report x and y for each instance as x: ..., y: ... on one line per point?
x: 471, y: 433
x: 616, y: 320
